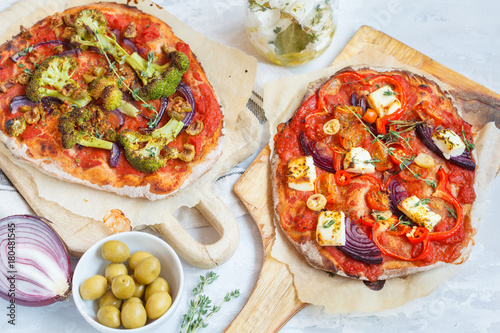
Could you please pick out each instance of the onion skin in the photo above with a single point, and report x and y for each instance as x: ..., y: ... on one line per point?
x: 465, y: 161
x: 33, y: 244
x: 359, y: 246
x: 309, y: 148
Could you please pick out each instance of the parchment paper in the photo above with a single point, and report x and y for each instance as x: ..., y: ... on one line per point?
x: 339, y: 294
x: 231, y: 72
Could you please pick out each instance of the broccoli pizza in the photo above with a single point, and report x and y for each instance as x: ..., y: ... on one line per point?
x: 107, y: 96
x: 373, y: 176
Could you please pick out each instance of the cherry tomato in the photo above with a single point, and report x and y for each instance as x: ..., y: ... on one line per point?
x: 380, y: 153
x: 429, y: 113
x: 376, y: 199
x: 416, y: 174
x: 353, y: 135
x: 325, y: 184
x: 342, y: 177
x: 370, y: 116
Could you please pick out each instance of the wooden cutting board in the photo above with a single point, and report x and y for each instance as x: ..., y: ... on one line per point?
x: 274, y: 298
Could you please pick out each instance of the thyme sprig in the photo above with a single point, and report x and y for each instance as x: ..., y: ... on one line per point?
x: 401, y: 161
x: 121, y: 79
x: 400, y: 222
x: 200, y: 309
x: 469, y: 145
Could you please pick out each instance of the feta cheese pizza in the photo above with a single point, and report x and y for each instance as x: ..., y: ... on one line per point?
x: 373, y: 175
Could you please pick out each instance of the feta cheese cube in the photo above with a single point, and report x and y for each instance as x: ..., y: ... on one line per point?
x: 384, y: 101
x: 419, y: 212
x: 448, y: 142
x: 330, y: 230
x: 301, y: 173
x: 358, y: 160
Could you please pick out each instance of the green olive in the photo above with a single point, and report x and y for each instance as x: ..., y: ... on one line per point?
x: 133, y: 315
x: 157, y: 304
x: 110, y: 299
x: 132, y: 300
x: 136, y: 257
x: 93, y: 288
x: 109, y: 316
x: 139, y: 289
x: 159, y: 284
x: 147, y: 270
x: 123, y: 286
x: 115, y: 251
x: 113, y: 270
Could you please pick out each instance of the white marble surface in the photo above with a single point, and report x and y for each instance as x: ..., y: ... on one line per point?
x: 462, y: 35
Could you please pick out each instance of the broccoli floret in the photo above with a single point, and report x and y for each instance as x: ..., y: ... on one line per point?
x: 15, y: 126
x: 165, y: 84
x: 52, y: 77
x: 90, y: 30
x: 112, y: 97
x: 159, y: 81
x: 147, y: 152
x: 76, y: 129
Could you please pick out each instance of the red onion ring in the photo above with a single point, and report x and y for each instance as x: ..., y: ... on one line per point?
x: 18, y: 101
x: 424, y: 132
x: 35, y: 268
x: 17, y: 56
x: 397, y: 193
x: 320, y: 160
x: 114, y: 155
x: 188, y: 95
x: 359, y: 246
x: 73, y: 52
x: 120, y: 117
x: 127, y: 43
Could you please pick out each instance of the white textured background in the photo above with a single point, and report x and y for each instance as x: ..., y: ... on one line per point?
x: 462, y: 35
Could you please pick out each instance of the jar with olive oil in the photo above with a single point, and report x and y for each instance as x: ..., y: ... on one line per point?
x: 291, y: 32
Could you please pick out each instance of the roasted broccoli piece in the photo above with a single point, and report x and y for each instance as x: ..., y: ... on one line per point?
x: 166, y: 78
x: 15, y: 126
x: 53, y: 78
x: 90, y: 30
x: 75, y: 127
x: 108, y: 89
x: 159, y: 81
x: 147, y: 152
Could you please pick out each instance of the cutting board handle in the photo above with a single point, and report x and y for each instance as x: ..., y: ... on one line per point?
x: 204, y: 256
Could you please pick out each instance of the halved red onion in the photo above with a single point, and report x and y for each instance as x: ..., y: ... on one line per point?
x: 465, y: 161
x: 18, y: 101
x: 17, y: 56
x: 397, y: 193
x: 359, y: 246
x: 34, y: 263
x: 320, y: 159
x: 114, y: 155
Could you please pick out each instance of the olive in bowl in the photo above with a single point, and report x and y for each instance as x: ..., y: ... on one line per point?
x: 165, y: 266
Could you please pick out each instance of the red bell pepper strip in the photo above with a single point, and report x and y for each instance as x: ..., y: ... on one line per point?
x: 382, y: 122
x: 443, y: 193
x: 344, y: 79
x: 418, y: 235
x: 425, y: 251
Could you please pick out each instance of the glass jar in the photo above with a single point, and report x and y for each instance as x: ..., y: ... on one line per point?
x: 291, y: 32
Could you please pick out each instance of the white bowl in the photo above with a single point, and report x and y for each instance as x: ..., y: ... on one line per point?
x: 92, y: 263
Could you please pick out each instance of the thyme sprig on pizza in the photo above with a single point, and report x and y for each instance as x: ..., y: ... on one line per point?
x: 107, y: 96
x: 373, y: 175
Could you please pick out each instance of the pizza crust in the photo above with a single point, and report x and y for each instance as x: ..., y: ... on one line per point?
x: 309, y: 249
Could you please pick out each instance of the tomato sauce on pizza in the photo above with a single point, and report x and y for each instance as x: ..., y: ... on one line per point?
x: 373, y: 175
